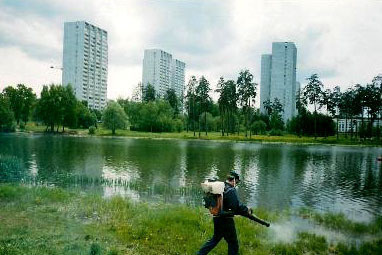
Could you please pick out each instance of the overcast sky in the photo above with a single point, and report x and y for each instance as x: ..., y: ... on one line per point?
x: 339, y: 40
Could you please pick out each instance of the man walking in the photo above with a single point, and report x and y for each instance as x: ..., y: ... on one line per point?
x: 224, y: 225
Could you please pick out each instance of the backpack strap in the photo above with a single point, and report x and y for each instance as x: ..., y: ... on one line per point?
x: 228, y: 189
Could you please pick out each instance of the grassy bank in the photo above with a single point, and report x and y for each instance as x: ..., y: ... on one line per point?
x: 338, y: 221
x: 44, y: 220
x: 32, y: 127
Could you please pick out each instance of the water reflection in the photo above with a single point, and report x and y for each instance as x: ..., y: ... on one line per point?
x: 346, y: 179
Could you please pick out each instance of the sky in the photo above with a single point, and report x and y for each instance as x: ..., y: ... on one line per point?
x: 340, y: 40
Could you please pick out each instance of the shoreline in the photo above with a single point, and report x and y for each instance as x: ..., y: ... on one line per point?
x: 290, y: 140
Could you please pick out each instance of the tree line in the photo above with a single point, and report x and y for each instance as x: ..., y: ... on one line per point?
x: 234, y: 113
x: 57, y: 108
x: 360, y: 106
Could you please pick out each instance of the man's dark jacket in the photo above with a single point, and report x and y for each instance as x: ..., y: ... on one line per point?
x: 231, y: 203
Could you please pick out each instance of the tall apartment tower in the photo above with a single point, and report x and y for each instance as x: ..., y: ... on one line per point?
x: 278, y: 77
x: 163, y: 72
x: 265, y: 79
x: 85, y: 62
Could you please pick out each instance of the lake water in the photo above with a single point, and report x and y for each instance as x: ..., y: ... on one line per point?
x: 274, y: 176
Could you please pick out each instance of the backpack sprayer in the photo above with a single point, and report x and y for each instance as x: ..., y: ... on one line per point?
x: 213, y: 200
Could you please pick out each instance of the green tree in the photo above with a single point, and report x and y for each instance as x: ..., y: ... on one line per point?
x: 97, y: 113
x: 223, y: 102
x: 172, y: 98
x: 377, y: 81
x: 165, y: 120
x: 276, y: 121
x: 277, y: 106
x: 21, y: 101
x: 138, y: 93
x: 15, y: 101
x: 227, y: 104
x: 373, y: 103
x: 329, y: 101
x: 326, y: 100
x: 303, y: 124
x: 232, y: 96
x: 157, y: 116
x: 190, y: 102
x: 313, y: 94
x: 203, y: 98
x: 84, y: 116
x: 300, y: 101
x: 149, y: 93
x: 211, y: 122
x: 345, y: 106
x: 6, y: 114
x: 49, y: 106
x: 57, y: 94
x: 247, y: 94
x: 132, y: 109
x: 274, y: 112
x: 114, y: 117
x: 268, y: 106
x: 148, y: 116
x: 356, y: 107
x: 296, y: 124
x: 68, y: 107
x: 258, y: 127
x: 336, y: 99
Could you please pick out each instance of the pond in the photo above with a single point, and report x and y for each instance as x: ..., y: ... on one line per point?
x: 274, y: 176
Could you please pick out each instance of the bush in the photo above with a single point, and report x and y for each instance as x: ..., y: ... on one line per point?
x: 85, y: 118
x: 275, y: 132
x: 92, y: 130
x: 178, y: 123
x: 211, y: 122
x: 10, y: 127
x: 377, y: 132
x: 258, y: 127
x: 9, y: 192
x: 153, y: 116
x: 6, y: 115
x: 22, y: 125
x: 303, y: 124
x: 114, y: 117
x: 95, y: 249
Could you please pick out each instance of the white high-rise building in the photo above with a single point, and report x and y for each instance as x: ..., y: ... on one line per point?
x: 85, y: 62
x: 163, y: 72
x: 265, y: 80
x: 278, y: 77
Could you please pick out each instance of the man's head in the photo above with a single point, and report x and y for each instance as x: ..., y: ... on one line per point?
x: 233, y: 178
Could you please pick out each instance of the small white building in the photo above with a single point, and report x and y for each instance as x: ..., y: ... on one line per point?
x: 346, y: 126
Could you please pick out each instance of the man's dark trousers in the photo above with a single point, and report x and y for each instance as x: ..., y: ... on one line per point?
x: 224, y: 227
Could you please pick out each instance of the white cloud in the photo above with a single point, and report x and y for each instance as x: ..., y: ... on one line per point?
x: 17, y: 67
x: 339, y: 40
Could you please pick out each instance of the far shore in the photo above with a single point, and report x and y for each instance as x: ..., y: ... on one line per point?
x: 31, y: 128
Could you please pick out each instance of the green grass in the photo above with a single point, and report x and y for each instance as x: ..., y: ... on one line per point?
x: 338, y: 221
x: 305, y: 243
x: 32, y: 127
x: 46, y: 220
